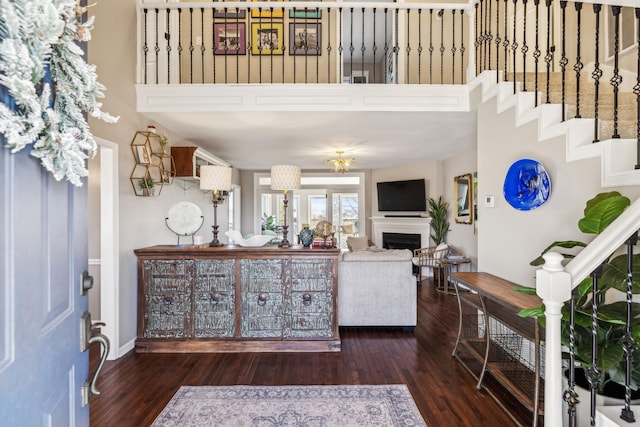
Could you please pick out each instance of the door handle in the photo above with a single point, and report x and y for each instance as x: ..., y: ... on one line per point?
x: 88, y: 337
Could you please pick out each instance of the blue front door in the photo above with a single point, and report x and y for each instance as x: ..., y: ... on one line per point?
x: 43, y: 251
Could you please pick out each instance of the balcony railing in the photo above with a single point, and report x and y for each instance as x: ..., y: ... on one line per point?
x: 304, y: 42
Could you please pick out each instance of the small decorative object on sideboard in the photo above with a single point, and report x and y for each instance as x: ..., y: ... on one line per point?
x: 306, y: 236
x: 249, y: 241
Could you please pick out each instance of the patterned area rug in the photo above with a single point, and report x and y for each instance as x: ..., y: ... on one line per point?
x: 291, y: 406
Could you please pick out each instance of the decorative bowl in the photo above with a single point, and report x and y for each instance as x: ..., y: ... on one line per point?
x: 253, y: 241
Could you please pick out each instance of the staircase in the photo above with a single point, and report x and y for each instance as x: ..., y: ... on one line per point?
x: 618, y: 155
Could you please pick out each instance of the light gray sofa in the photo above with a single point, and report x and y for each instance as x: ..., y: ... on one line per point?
x: 376, y: 287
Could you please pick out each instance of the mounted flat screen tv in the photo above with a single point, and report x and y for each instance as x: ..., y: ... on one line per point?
x: 402, y: 196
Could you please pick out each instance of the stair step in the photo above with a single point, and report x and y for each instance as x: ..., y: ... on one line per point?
x: 605, y: 112
x: 626, y: 129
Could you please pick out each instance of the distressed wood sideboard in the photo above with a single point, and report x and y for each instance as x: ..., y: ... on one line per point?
x: 230, y: 299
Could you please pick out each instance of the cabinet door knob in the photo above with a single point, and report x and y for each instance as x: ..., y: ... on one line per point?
x: 262, y: 298
x: 215, y: 297
x: 306, y: 298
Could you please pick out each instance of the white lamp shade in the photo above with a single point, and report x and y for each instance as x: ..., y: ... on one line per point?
x: 285, y: 177
x: 215, y: 178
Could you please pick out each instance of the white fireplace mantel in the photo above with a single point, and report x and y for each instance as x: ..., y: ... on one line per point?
x: 409, y: 225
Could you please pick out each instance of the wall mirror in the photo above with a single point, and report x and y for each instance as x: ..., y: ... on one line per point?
x: 464, y: 205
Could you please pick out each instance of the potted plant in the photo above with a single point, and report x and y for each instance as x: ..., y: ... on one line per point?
x: 599, y: 212
x: 146, y: 184
x: 438, y: 211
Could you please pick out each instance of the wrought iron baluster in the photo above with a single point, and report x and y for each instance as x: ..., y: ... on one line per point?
x: 386, y: 47
x: 260, y: 45
x: 239, y: 39
x: 536, y: 52
x: 340, y: 48
x: 563, y: 57
x: 271, y: 47
x: 597, y: 72
x: 579, y: 65
x: 549, y: 55
x: 295, y: 58
x: 202, y: 46
x: 396, y: 48
x: 498, y: 40
x: 480, y: 37
x: 351, y: 47
x: 489, y: 35
x: 167, y: 37
x: 375, y: 48
x: 419, y: 46
x: 191, y: 47
x: 594, y: 373
x: 179, y: 46
x: 318, y: 48
x: 145, y: 47
x: 506, y: 42
x: 462, y: 49
x: 476, y: 43
x: 441, y: 14
x: 408, y: 48
x: 157, y: 48
x: 453, y: 46
x: 329, y: 49
x: 514, y: 45
x: 629, y: 343
x: 525, y: 47
x: 570, y: 396
x: 617, y: 78
x: 483, y: 33
x: 363, y: 48
x: 431, y: 44
x: 636, y: 91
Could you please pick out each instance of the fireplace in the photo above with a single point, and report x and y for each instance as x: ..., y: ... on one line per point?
x: 403, y: 226
x: 400, y: 241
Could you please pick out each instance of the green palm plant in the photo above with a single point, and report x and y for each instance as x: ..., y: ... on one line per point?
x: 438, y: 211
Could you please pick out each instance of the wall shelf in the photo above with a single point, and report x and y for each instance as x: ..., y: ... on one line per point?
x: 154, y: 166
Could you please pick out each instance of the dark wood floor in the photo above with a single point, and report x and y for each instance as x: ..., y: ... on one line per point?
x: 136, y: 387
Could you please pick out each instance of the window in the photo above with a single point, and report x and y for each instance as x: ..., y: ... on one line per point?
x: 338, y: 198
x: 628, y: 30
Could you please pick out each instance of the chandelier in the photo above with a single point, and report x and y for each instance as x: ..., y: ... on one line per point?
x: 340, y: 164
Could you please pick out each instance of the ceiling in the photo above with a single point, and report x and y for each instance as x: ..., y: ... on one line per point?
x: 257, y: 140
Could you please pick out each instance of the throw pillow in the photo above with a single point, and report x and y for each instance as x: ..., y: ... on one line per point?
x: 441, y: 251
x: 357, y: 243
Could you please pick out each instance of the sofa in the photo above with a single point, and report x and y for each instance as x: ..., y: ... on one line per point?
x: 376, y: 287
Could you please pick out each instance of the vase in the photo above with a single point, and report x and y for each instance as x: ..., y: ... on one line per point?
x: 306, y: 236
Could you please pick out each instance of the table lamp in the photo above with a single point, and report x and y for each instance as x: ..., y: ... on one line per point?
x: 285, y: 178
x: 218, y: 180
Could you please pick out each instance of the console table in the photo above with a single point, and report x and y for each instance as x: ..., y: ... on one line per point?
x: 493, y: 338
x: 230, y: 298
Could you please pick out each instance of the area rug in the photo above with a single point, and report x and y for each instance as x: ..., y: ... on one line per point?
x: 291, y: 406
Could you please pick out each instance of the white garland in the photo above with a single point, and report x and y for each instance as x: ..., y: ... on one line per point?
x: 34, y: 35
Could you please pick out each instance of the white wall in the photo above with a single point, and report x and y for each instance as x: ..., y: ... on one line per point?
x: 508, y: 239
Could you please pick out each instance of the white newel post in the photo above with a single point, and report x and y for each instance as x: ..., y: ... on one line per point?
x: 553, y: 285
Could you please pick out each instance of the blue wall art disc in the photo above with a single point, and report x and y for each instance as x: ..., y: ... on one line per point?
x: 526, y: 185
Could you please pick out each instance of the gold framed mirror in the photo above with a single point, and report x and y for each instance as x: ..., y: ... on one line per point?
x: 462, y: 186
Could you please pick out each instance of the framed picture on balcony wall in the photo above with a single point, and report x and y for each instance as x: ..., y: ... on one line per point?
x: 305, y: 38
x: 305, y: 13
x: 229, y: 12
x: 266, y: 12
x: 267, y: 38
x: 229, y: 38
